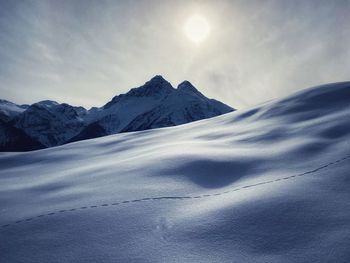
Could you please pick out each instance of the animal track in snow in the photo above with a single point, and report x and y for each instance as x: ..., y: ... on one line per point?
x: 148, y: 199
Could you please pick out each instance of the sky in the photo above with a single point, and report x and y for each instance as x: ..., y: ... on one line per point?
x: 86, y: 52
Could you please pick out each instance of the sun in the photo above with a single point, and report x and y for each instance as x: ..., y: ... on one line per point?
x: 197, y: 28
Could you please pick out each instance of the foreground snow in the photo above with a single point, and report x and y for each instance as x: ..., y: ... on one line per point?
x: 269, y: 184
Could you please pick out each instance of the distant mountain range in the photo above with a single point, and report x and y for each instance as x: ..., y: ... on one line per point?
x: 156, y: 104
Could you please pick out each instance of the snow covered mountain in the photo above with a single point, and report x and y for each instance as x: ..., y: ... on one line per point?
x: 184, y: 104
x: 155, y: 104
x: 9, y: 110
x: 267, y: 184
x: 51, y: 123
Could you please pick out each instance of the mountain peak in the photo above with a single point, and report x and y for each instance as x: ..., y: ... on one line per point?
x: 46, y: 103
x: 157, y: 78
x: 5, y: 101
x: 158, y: 82
x: 187, y: 87
x: 9, y: 110
x: 154, y: 87
x: 157, y: 87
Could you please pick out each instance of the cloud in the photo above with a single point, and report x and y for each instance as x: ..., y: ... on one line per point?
x: 85, y: 52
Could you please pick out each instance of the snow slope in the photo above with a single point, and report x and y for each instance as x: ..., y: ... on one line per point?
x: 268, y: 184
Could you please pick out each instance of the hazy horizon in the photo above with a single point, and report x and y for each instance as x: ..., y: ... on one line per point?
x: 84, y: 53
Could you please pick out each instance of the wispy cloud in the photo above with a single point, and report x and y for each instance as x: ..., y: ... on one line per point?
x: 85, y: 52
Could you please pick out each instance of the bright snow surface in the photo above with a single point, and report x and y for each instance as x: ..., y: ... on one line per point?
x: 267, y: 184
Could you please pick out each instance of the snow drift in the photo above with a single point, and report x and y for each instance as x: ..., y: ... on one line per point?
x: 267, y: 184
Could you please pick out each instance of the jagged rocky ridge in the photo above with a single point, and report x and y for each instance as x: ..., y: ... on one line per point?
x: 155, y: 104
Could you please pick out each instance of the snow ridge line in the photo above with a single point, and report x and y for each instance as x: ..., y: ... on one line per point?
x: 179, y: 197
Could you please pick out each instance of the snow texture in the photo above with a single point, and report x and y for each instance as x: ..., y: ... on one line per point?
x: 266, y: 184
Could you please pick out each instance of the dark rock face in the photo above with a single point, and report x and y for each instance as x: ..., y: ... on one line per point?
x: 155, y: 104
x: 93, y: 130
x: 13, y: 139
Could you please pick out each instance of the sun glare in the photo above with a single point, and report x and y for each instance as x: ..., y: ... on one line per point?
x: 197, y: 28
